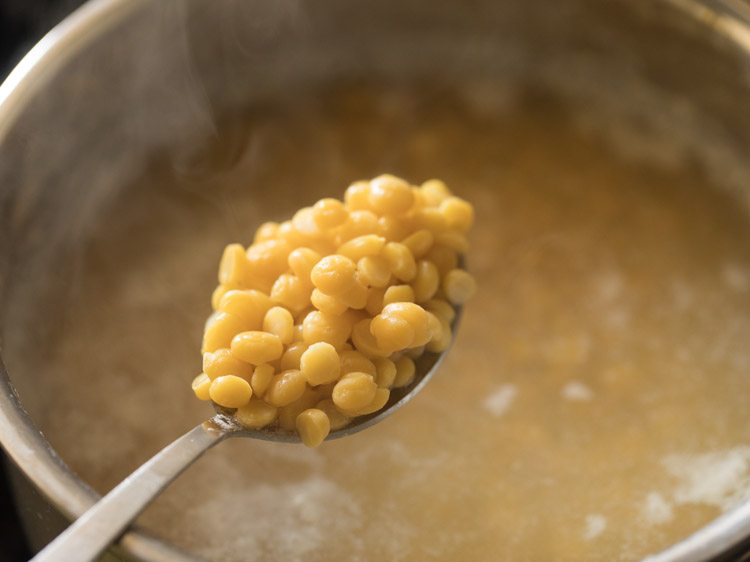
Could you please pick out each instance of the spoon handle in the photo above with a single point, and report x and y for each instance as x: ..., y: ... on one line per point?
x: 103, y: 523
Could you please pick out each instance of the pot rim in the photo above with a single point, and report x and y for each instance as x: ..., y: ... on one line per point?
x: 24, y: 442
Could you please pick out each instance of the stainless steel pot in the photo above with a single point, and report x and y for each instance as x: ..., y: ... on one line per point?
x: 122, y: 78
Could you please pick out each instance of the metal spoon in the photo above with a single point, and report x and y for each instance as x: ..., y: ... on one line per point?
x: 103, y: 523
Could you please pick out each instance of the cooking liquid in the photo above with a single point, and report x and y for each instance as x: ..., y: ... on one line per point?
x: 594, y: 405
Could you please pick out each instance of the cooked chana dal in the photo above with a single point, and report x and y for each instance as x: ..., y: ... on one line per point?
x: 324, y: 314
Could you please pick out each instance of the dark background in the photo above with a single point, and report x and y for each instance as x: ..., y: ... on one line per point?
x: 22, y: 23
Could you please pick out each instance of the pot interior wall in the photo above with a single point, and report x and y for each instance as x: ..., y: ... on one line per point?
x: 121, y: 146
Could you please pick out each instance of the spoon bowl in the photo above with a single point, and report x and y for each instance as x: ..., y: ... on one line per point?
x: 426, y: 367
x: 96, y: 529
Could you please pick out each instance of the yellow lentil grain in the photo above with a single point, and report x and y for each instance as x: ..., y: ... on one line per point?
x: 327, y: 304
x: 291, y: 292
x: 426, y: 282
x: 393, y: 228
x: 285, y: 388
x: 289, y: 234
x: 220, y: 329
x: 405, y: 372
x: 268, y: 259
x: 325, y: 244
x: 359, y: 223
x: 219, y: 292
x: 354, y: 391
x: 459, y: 286
x: 356, y: 296
x: 386, y: 372
x: 441, y: 339
x: 266, y: 231
x: 256, y: 414
x: 320, y: 364
x: 374, y: 271
x: 362, y: 246
x: 365, y: 342
x: 435, y: 192
x: 297, y: 332
x: 230, y: 391
x: 420, y: 200
x: 435, y: 326
x: 261, y: 379
x: 222, y: 362
x: 356, y: 196
x: 430, y: 219
x: 334, y: 275
x: 257, y: 347
x: 304, y: 222
x: 337, y: 419
x: 458, y: 213
x: 321, y: 327
x: 378, y: 401
x: 292, y: 356
x: 301, y: 261
x: 419, y: 243
x: 329, y: 213
x: 313, y: 426
x: 279, y: 321
x: 440, y: 308
x: 353, y: 360
x: 397, y: 293
x: 201, y: 385
x: 392, y: 333
x: 415, y: 315
x: 390, y: 195
x: 233, y: 265
x: 400, y: 260
x: 250, y: 305
x: 453, y: 240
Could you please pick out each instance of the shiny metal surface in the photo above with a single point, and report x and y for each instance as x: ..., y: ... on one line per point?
x: 717, y: 85
x: 90, y: 534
